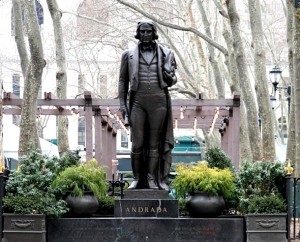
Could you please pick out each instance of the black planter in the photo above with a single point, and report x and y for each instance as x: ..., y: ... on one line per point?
x: 201, y: 205
x: 24, y: 228
x: 82, y: 206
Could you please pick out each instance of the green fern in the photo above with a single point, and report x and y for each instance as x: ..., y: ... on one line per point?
x: 79, y: 179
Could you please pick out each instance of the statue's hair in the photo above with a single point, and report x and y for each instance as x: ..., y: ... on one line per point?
x: 151, y: 23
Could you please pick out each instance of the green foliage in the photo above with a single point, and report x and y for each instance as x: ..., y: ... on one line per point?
x: 262, y: 184
x: 106, y: 205
x: 28, y: 190
x: 68, y: 159
x: 262, y: 178
x: 35, y: 204
x: 182, y: 207
x: 217, y: 158
x: 266, y: 204
x: 78, y: 179
x: 200, y: 177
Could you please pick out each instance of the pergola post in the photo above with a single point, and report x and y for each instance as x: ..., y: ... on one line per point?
x: 235, y: 132
x: 225, y: 144
x: 109, y: 151
x: 88, y: 125
x: 104, y: 157
x: 114, y: 152
x: 98, y: 135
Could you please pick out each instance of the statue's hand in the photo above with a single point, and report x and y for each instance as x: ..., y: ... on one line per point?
x: 124, y: 112
x: 169, y: 78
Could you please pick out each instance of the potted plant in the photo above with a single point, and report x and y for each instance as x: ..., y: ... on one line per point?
x: 82, y: 187
x: 262, y: 200
x: 29, y: 197
x: 206, y: 186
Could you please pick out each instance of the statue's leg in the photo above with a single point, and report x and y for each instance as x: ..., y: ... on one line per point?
x: 165, y: 169
x: 136, y: 162
x: 153, y: 169
x: 137, y: 117
x: 157, y: 114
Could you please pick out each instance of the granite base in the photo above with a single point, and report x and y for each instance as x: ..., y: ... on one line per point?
x: 146, y: 229
x: 146, y: 208
x: 145, y: 194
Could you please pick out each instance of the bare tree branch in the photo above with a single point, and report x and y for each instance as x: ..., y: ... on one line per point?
x: 174, y: 26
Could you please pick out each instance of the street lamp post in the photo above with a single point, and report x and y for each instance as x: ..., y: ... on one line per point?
x: 275, y: 76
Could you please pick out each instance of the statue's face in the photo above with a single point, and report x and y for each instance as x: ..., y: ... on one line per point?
x: 146, y: 33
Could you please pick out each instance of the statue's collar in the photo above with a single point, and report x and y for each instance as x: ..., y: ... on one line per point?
x: 152, y: 46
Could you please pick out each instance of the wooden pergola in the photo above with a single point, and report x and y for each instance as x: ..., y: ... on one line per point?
x: 199, y: 113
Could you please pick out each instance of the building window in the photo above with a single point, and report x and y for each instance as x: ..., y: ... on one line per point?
x: 16, y: 84
x: 81, y: 131
x: 124, y: 139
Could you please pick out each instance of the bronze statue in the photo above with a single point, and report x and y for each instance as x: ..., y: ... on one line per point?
x: 146, y: 72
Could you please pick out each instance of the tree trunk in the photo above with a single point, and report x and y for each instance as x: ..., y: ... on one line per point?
x: 1, y: 121
x: 291, y: 144
x: 61, y: 74
x: 247, y: 93
x: 28, y: 128
x: 245, y: 148
x: 267, y: 123
x: 297, y: 87
x: 218, y: 80
x: 19, y: 35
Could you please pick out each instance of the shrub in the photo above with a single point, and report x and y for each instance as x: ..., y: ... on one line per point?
x: 266, y: 204
x: 106, y: 205
x: 262, y: 186
x: 28, y: 190
x: 200, y: 177
x: 217, y: 158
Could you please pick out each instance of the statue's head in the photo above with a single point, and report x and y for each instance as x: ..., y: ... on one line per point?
x: 146, y: 23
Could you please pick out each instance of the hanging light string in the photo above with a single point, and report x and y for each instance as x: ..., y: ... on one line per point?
x: 176, y: 124
x: 116, y: 117
x: 121, y: 123
x: 109, y: 113
x: 181, y: 112
x: 214, y: 121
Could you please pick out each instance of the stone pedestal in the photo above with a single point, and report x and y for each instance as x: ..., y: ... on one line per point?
x: 146, y: 216
x: 158, y: 208
x: 146, y: 229
x: 145, y: 194
x: 146, y: 203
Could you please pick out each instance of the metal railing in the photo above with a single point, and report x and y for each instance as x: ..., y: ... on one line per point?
x: 293, y: 204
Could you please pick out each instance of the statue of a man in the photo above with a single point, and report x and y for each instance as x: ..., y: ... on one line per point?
x: 146, y: 72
